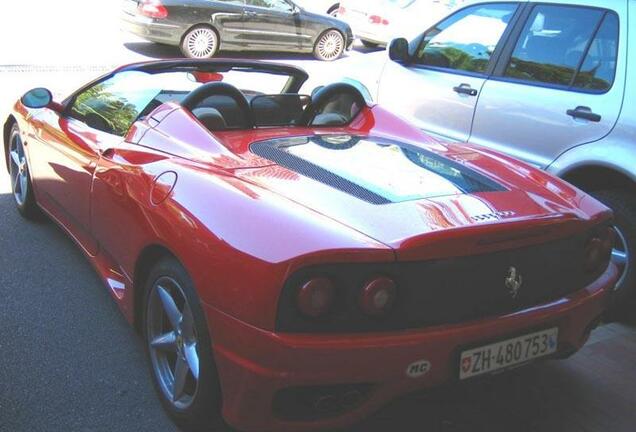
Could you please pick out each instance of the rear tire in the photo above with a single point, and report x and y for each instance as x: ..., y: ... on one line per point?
x: 329, y: 46
x: 177, y: 339
x: 200, y: 42
x: 20, y: 177
x: 623, y: 203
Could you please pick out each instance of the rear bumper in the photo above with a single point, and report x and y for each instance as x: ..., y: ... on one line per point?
x: 149, y: 29
x: 255, y: 364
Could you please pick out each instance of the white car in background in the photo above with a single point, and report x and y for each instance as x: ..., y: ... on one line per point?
x: 328, y: 7
x: 377, y: 22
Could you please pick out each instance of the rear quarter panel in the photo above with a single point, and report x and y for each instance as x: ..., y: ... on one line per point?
x: 237, y: 241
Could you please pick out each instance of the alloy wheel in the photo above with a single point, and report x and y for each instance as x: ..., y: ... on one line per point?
x: 19, y: 172
x: 172, y: 342
x: 201, y: 42
x: 330, y: 45
x: 620, y: 256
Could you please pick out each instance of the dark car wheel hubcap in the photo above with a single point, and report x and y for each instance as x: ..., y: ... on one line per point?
x: 330, y: 45
x: 620, y: 256
x: 201, y: 43
x: 18, y: 170
x: 172, y: 342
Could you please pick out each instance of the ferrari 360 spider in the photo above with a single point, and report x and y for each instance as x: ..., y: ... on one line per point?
x: 296, y: 261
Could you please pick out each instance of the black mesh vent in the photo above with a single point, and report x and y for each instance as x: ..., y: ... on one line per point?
x: 269, y: 151
x: 376, y: 170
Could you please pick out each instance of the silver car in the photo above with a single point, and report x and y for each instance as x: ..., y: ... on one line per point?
x: 546, y: 82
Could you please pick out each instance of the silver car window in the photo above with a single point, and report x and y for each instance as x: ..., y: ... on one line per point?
x: 559, y: 41
x: 467, y: 39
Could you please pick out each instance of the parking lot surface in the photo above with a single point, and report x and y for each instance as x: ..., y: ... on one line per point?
x: 70, y: 362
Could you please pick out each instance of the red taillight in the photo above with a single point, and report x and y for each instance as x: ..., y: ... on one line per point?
x: 153, y: 9
x: 316, y: 297
x: 377, y: 296
x: 598, y: 250
x: 376, y: 19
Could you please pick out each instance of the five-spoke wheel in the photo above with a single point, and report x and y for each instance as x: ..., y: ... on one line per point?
x: 173, y: 342
x: 179, y: 348
x: 19, y: 176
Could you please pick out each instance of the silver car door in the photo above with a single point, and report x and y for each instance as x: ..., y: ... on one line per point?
x: 559, y: 83
x: 438, y: 90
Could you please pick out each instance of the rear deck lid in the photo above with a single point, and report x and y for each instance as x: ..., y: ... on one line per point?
x: 413, y: 198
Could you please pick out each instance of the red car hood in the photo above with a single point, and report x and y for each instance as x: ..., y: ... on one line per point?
x: 428, y: 201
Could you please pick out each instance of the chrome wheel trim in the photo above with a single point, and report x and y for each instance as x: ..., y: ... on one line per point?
x: 620, y: 256
x: 172, y: 342
x: 18, y: 170
x: 330, y: 45
x: 201, y: 42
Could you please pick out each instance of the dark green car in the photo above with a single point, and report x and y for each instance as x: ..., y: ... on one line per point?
x: 202, y: 27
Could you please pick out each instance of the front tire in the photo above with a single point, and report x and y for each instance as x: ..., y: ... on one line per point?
x: 179, y: 349
x: 20, y: 177
x: 623, y: 203
x: 200, y: 42
x: 329, y: 46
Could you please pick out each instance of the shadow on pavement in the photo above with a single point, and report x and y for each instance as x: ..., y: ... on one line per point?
x: 160, y: 51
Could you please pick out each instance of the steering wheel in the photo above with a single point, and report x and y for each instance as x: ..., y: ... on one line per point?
x: 327, y: 94
x: 198, y: 95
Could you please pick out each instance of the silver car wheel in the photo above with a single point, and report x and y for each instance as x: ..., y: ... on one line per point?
x: 330, y: 45
x: 172, y: 342
x: 201, y: 42
x: 19, y: 172
x: 620, y: 256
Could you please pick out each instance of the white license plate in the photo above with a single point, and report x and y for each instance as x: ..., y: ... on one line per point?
x: 508, y: 353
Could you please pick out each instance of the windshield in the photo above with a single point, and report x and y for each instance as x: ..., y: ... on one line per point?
x: 114, y: 104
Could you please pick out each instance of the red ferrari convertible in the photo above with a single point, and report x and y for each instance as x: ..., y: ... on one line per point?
x: 296, y: 261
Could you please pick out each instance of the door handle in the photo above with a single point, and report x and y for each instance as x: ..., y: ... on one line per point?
x: 250, y: 14
x: 585, y: 113
x: 465, y: 89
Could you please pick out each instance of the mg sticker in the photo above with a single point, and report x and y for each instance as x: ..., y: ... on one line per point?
x: 418, y: 369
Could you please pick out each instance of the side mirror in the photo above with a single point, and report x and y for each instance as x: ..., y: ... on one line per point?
x: 399, y: 50
x: 38, y: 98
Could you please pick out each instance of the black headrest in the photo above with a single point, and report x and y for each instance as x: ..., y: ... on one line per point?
x: 333, y: 92
x: 198, y: 95
x: 211, y: 118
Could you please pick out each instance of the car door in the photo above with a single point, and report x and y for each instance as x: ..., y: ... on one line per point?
x: 272, y: 24
x: 72, y: 144
x: 559, y: 84
x: 438, y: 90
x: 64, y: 156
x: 225, y: 15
